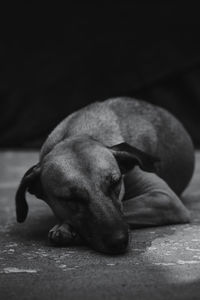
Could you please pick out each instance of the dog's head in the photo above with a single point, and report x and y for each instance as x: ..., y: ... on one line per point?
x: 82, y: 181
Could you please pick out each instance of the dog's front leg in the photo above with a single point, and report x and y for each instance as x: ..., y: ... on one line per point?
x: 63, y: 235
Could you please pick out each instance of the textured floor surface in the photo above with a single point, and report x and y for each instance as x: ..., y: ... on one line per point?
x: 162, y: 263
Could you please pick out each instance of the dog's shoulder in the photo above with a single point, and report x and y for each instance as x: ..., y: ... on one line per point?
x: 105, y: 120
x: 93, y: 119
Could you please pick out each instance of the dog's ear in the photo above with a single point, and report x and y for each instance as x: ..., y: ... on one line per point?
x: 128, y: 156
x: 31, y: 183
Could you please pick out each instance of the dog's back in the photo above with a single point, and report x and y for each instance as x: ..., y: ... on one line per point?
x: 147, y: 127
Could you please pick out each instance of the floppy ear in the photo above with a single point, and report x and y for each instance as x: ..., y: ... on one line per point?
x: 128, y: 156
x: 30, y: 182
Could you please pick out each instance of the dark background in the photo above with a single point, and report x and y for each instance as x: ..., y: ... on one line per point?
x: 55, y: 60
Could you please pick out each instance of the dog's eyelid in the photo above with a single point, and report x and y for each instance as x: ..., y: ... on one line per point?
x: 62, y: 198
x: 74, y: 199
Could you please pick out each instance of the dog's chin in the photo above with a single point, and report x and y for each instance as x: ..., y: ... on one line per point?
x: 114, y: 243
x: 101, y: 247
x: 108, y: 251
x: 117, y: 249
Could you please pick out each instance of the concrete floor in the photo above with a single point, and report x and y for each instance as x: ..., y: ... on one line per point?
x: 162, y: 263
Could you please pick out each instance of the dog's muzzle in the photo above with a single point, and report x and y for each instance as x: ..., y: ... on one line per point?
x: 116, y: 242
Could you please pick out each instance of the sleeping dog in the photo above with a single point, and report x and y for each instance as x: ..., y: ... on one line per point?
x: 110, y: 166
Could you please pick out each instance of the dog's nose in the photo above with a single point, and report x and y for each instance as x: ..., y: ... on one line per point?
x: 117, y: 242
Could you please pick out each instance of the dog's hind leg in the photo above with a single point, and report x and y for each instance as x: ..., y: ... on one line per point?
x: 153, y: 202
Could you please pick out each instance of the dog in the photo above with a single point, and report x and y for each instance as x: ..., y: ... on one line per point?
x: 110, y: 166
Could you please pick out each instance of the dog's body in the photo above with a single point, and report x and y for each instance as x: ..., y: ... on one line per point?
x: 135, y: 133
x: 146, y: 127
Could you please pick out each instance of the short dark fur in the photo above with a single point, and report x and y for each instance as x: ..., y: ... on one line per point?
x: 89, y: 150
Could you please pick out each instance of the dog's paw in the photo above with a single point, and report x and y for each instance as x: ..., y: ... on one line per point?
x: 62, y: 235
